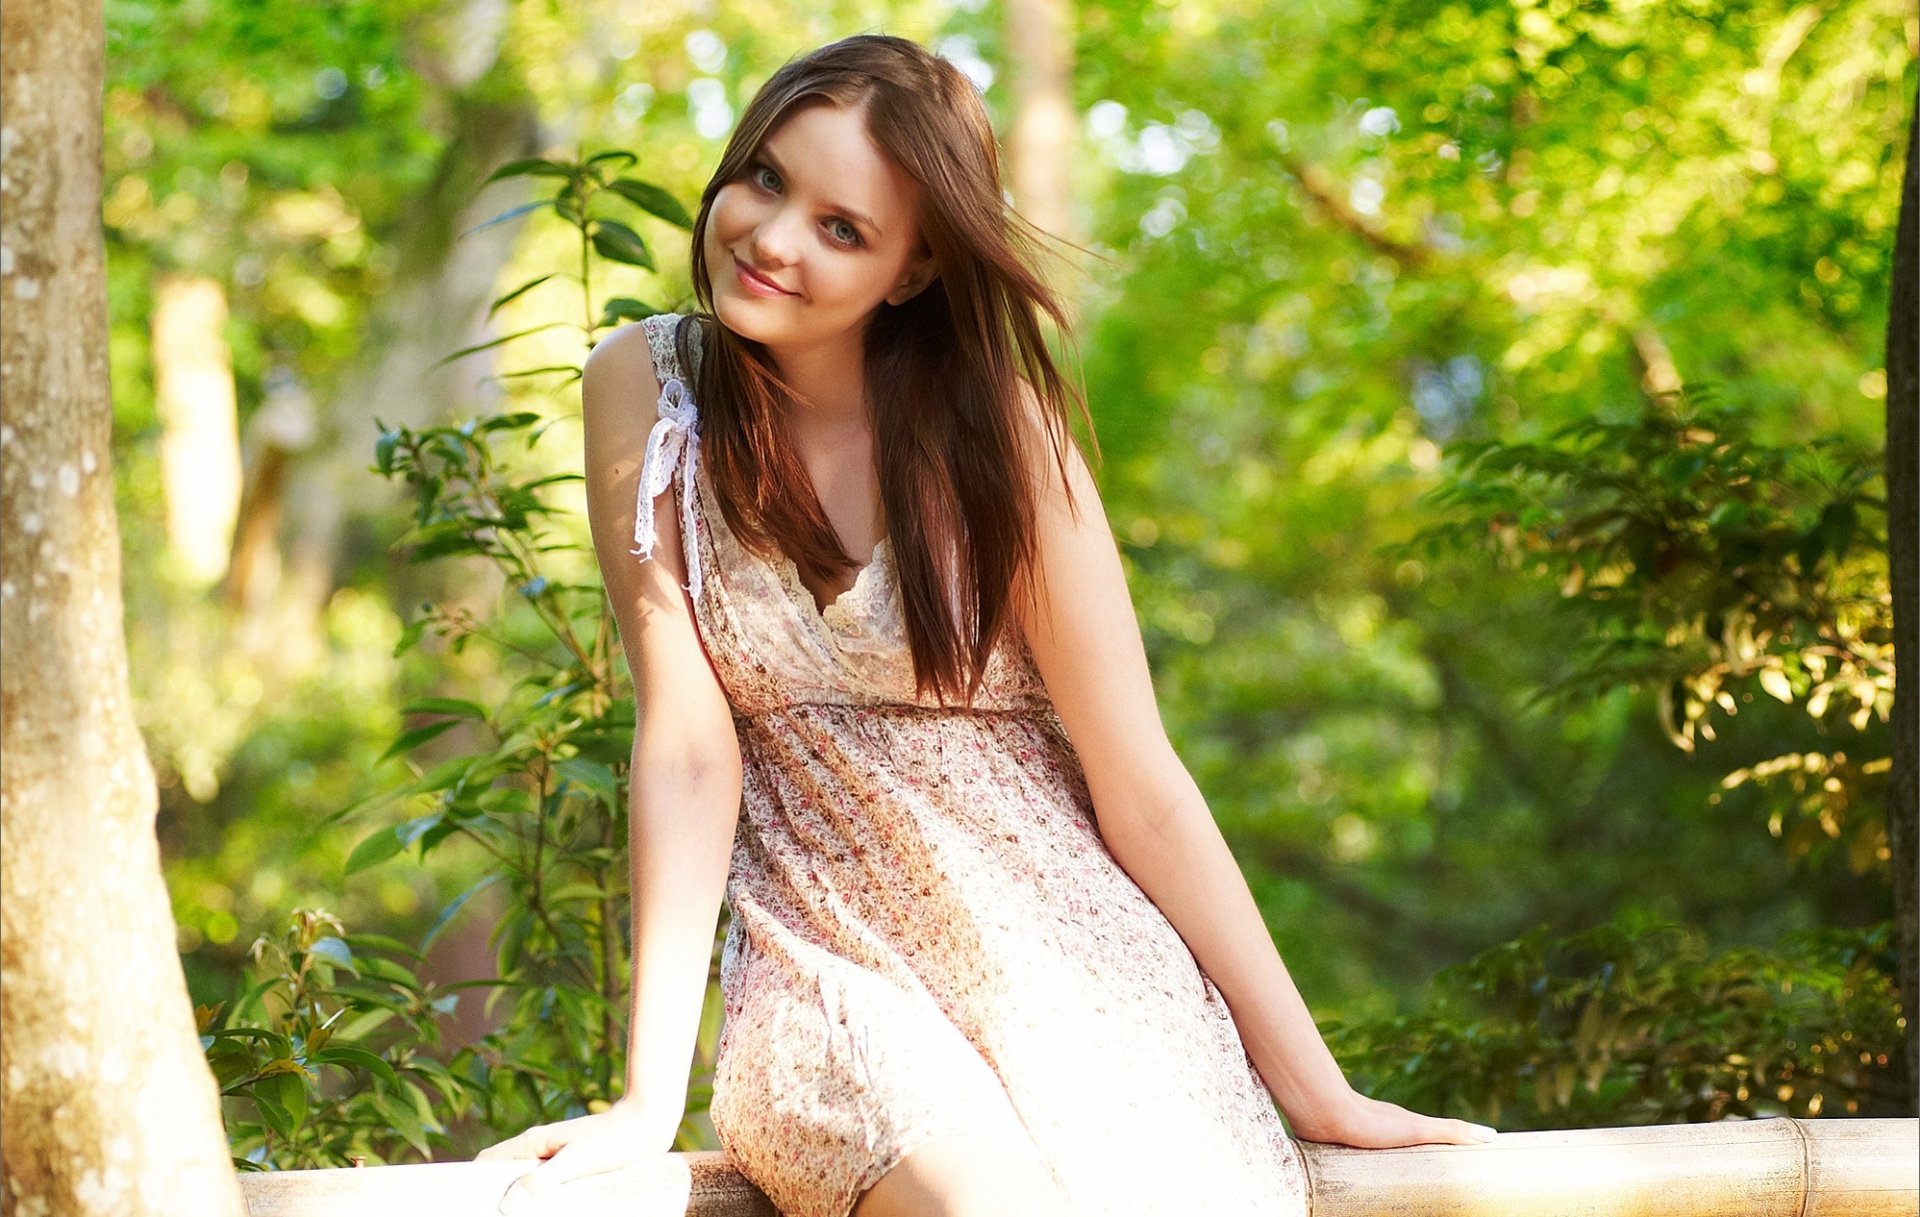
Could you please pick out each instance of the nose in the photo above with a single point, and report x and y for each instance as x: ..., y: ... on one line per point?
x: 775, y: 241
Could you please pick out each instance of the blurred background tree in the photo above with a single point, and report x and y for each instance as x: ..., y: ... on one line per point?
x: 1350, y: 248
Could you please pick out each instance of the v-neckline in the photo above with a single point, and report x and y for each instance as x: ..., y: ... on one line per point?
x: 798, y: 585
x: 786, y: 572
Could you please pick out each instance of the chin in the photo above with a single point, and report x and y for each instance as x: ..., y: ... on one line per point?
x: 743, y: 319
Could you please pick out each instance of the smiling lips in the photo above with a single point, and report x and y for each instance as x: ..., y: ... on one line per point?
x: 757, y: 283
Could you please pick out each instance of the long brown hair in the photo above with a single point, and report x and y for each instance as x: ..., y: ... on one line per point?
x: 955, y: 483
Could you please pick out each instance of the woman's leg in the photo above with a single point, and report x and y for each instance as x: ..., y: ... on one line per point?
x: 966, y: 1175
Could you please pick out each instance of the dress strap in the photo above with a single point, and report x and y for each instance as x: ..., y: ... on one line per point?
x: 675, y: 435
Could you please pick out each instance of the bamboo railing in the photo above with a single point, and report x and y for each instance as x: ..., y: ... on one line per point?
x: 1737, y: 1168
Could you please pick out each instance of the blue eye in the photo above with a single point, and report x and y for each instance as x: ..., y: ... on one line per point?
x: 851, y: 240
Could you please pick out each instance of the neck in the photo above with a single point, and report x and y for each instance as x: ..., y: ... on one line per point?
x: 831, y: 379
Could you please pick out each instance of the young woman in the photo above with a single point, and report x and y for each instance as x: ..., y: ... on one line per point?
x: 989, y: 953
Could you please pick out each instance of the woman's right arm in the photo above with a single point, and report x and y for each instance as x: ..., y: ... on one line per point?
x: 684, y: 796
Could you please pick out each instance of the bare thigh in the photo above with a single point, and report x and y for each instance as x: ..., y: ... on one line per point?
x: 966, y: 1175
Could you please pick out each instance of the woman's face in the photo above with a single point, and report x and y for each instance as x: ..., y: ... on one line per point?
x: 826, y: 219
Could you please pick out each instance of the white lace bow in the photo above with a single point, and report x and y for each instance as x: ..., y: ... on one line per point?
x: 677, y: 432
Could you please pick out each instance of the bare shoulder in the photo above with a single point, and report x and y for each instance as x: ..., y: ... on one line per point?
x: 620, y: 369
x: 618, y: 391
x: 1069, y: 517
x: 676, y: 688
x: 1054, y: 459
x: 1086, y: 644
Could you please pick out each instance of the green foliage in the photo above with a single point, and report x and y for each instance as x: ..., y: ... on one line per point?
x: 1356, y: 232
x: 1700, y: 560
x: 324, y: 1057
x: 537, y: 780
x: 1634, y: 1022
x: 278, y: 149
x: 1351, y: 234
x: 583, y: 192
x: 1699, y: 555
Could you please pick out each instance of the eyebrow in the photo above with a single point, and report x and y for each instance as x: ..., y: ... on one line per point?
x: 858, y: 217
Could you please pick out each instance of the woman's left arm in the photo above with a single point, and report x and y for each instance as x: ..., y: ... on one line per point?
x: 1086, y: 643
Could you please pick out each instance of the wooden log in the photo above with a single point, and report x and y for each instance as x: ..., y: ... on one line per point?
x: 1735, y: 1168
x: 672, y: 1185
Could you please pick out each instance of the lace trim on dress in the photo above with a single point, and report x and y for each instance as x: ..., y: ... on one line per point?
x: 677, y: 433
x: 849, y: 607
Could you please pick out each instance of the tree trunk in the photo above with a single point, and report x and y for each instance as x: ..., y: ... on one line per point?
x: 279, y: 431
x: 437, y: 306
x: 1044, y: 127
x: 109, y: 1104
x: 200, y: 431
x: 1903, y: 534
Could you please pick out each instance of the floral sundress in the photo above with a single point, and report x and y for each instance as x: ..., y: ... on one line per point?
x: 929, y: 936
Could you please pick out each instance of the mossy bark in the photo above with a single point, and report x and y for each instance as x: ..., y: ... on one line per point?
x: 109, y: 1105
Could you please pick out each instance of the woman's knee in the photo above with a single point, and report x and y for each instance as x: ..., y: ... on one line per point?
x: 967, y: 1175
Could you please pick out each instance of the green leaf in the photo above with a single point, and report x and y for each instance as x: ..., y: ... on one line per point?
x: 281, y: 1066
x: 618, y: 243
x: 402, y: 1118
x: 445, y: 1082
x: 229, y: 1065
x: 501, y: 301
x: 376, y: 969
x: 625, y: 308
x: 437, y: 833
x: 369, y: 942
x: 407, y: 741
x: 439, y: 539
x: 290, y: 1091
x: 410, y: 636
x: 653, y: 200
x: 341, y: 1054
x: 365, y: 1024
x: 244, y: 1006
x: 513, y: 939
x: 383, y: 450
x: 335, y: 952
x: 530, y: 167
x: 442, y: 776
x: 276, y: 1043
x: 510, y: 213
x: 591, y: 775
x: 453, y: 908
x: 576, y: 891
x: 504, y: 801
x: 552, y: 695
x: 374, y: 850
x: 415, y: 828
x: 463, y: 352
x: 457, y: 706
x: 422, y: 1107
x: 276, y: 1117
x: 565, y: 369
x: 504, y: 422
x: 613, y: 154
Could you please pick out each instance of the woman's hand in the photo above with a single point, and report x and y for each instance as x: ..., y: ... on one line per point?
x: 587, y: 1145
x: 1372, y: 1124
